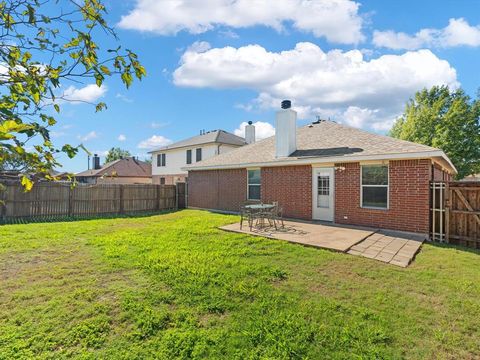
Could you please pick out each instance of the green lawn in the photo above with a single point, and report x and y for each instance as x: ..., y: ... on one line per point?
x: 174, y: 286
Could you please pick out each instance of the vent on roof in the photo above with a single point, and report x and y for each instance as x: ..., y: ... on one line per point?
x: 286, y: 104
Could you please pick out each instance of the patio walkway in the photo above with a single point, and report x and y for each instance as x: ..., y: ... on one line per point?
x: 389, y: 247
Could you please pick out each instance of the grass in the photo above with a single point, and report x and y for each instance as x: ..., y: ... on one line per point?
x: 174, y: 286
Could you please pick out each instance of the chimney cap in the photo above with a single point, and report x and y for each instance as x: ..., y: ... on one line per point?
x: 286, y: 104
x: 250, y: 122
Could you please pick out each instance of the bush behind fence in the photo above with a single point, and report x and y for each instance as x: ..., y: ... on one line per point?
x: 56, y: 200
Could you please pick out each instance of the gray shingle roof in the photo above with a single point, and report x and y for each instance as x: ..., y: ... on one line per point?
x: 318, y: 142
x: 215, y: 136
x: 126, y: 167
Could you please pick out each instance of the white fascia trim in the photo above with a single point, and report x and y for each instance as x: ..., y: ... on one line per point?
x: 337, y: 159
x: 190, y: 146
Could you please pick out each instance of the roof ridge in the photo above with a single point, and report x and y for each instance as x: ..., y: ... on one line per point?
x: 378, y: 135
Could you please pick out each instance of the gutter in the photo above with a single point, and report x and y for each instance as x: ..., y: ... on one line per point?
x: 335, y: 159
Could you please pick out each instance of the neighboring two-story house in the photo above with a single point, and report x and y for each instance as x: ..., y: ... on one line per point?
x: 168, y: 161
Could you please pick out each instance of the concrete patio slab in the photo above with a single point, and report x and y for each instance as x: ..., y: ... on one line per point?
x: 390, y: 247
x: 325, y: 236
x: 394, y: 248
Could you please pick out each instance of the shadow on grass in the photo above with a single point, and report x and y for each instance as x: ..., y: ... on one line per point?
x: 63, y: 218
x: 454, y: 247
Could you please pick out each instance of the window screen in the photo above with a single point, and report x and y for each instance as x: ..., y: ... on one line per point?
x: 375, y: 186
x: 254, y: 183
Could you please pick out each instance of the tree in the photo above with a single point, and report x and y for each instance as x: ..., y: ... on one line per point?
x: 116, y: 153
x: 14, y: 164
x: 40, y: 53
x: 446, y: 119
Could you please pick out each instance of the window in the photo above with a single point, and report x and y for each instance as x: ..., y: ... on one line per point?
x: 199, y: 154
x: 162, y: 181
x: 161, y: 160
x: 189, y: 156
x: 253, y: 184
x: 375, y: 186
x: 323, y: 190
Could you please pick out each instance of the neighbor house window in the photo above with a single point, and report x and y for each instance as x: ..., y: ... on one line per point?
x: 253, y: 184
x: 374, y: 186
x: 199, y: 154
x: 189, y: 156
x: 161, y: 160
x: 162, y: 181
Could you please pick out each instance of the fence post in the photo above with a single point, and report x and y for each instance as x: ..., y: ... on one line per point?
x: 447, y: 200
x: 121, y: 207
x: 3, y: 204
x: 176, y: 196
x: 157, y: 204
x: 70, y: 201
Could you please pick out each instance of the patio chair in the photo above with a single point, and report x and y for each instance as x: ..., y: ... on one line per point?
x: 245, y: 213
x: 277, y: 212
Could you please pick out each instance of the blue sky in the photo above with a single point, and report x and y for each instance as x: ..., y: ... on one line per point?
x: 214, y: 65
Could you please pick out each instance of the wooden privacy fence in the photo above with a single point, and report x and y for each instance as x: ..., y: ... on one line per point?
x: 455, y: 210
x: 51, y: 200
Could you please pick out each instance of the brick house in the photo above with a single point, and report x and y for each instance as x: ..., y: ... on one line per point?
x: 325, y: 171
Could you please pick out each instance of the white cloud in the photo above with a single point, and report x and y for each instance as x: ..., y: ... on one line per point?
x: 91, y: 135
x: 154, y: 141
x: 458, y: 32
x: 318, y: 82
x: 262, y: 130
x: 229, y: 34
x: 336, y: 20
x: 358, y: 117
x: 90, y: 93
x: 124, y: 98
x: 122, y: 137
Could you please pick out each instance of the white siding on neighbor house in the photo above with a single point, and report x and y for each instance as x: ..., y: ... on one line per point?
x: 177, y: 158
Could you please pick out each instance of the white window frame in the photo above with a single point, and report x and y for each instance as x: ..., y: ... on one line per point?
x: 163, y: 160
x: 259, y: 185
x: 386, y: 186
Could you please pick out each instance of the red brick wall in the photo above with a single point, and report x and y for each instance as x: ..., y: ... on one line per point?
x: 217, y: 189
x: 408, y: 202
x: 291, y: 186
x: 440, y: 175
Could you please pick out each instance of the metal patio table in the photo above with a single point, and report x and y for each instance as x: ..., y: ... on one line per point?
x: 260, y: 208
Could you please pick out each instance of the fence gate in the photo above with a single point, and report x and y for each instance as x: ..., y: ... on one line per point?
x: 455, y: 213
x: 181, y: 195
x: 463, y: 213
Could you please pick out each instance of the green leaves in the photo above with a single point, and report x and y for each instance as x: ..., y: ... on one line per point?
x: 116, y: 153
x: 31, y: 84
x: 445, y: 119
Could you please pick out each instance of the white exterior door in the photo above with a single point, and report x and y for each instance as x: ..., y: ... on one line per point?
x: 323, y: 197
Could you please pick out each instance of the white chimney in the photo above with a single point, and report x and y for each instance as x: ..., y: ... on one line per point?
x: 285, y: 130
x: 250, y: 133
